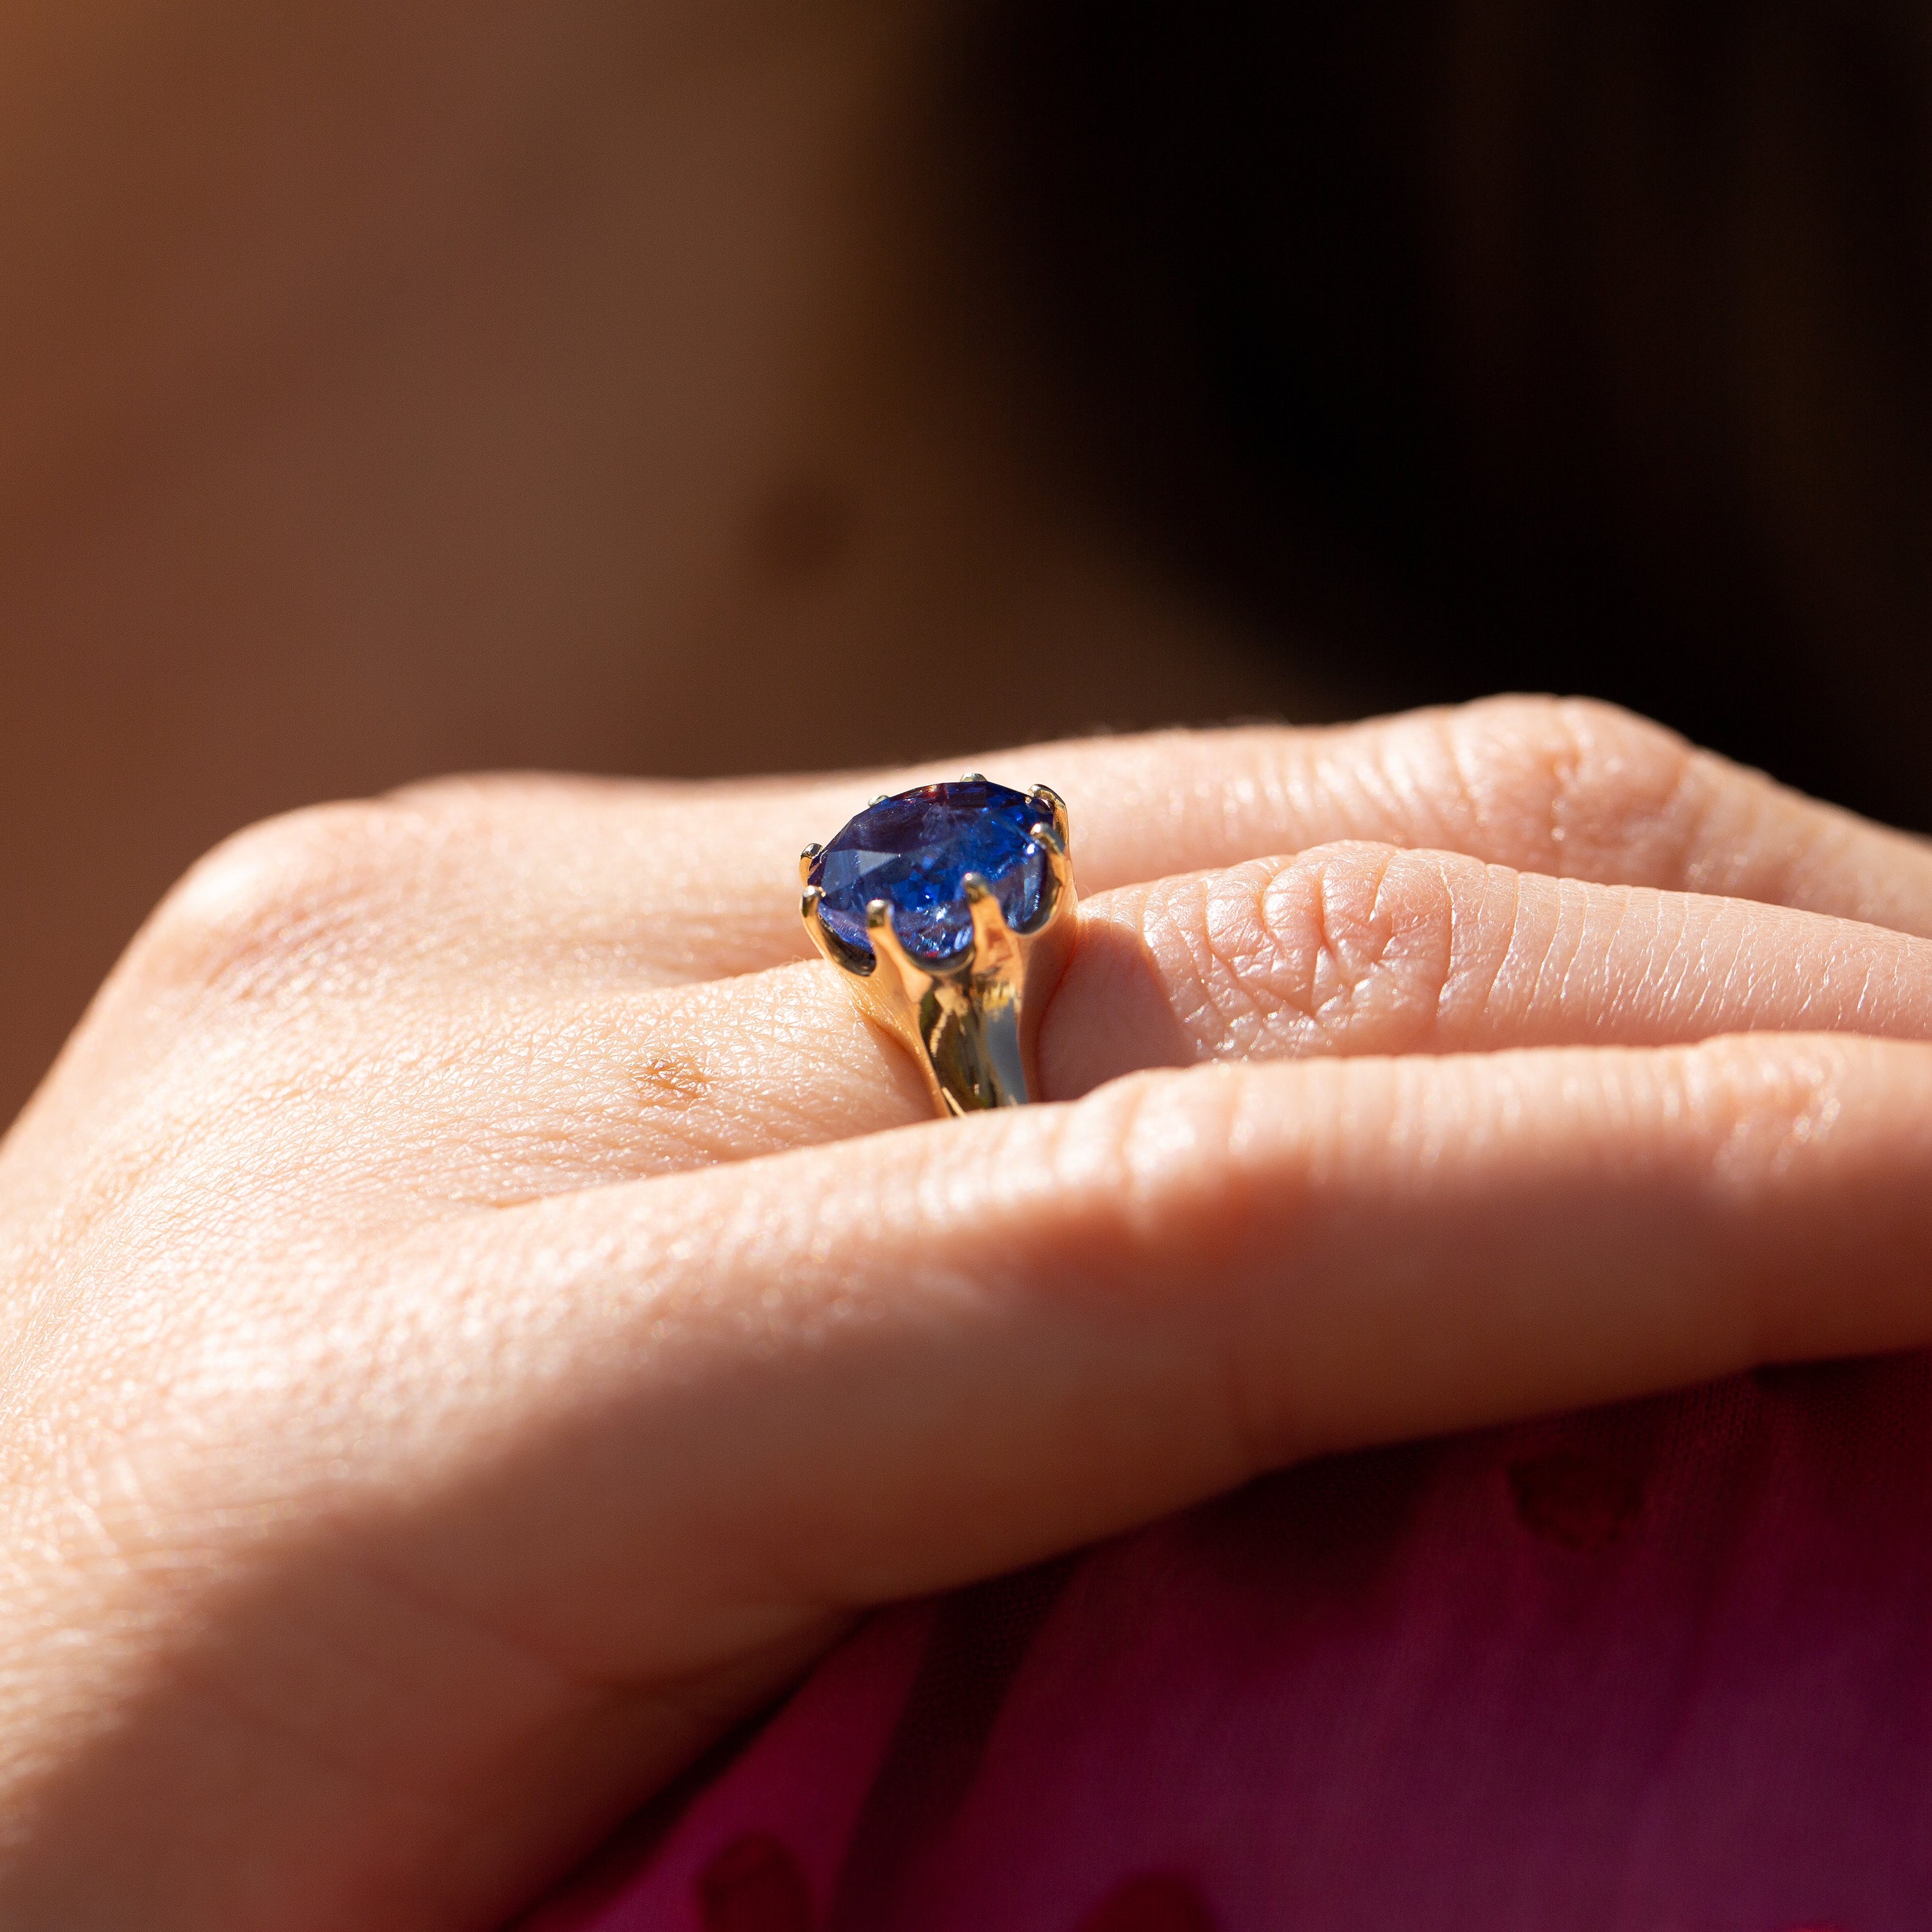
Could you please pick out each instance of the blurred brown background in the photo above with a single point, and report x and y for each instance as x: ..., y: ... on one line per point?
x: 693, y: 386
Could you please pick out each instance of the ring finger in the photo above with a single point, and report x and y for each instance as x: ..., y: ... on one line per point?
x: 1348, y: 950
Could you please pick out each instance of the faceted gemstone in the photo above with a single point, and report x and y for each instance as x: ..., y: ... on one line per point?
x: 912, y: 851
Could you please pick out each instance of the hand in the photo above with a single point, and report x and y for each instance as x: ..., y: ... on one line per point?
x: 483, y: 1312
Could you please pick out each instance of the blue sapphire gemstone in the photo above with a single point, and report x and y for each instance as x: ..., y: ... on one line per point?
x: 912, y: 851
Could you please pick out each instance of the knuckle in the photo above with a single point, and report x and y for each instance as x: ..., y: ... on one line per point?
x: 278, y: 901
x: 1578, y: 787
x: 1345, y: 948
x: 1124, y: 1161
x: 1761, y: 1113
x: 1367, y: 931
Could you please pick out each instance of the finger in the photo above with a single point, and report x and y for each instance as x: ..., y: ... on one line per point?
x: 423, y: 1091
x: 1568, y: 787
x: 583, y: 878
x: 1373, y: 949
x: 887, y: 1366
x: 1346, y: 950
x: 1355, y: 949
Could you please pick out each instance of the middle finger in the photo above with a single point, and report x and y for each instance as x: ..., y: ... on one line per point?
x: 1346, y: 950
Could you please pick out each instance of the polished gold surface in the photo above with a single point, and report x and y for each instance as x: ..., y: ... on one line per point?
x: 970, y: 1025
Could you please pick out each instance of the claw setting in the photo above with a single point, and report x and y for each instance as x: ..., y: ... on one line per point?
x: 949, y: 910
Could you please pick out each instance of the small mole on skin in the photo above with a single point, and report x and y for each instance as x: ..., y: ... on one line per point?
x: 671, y: 1080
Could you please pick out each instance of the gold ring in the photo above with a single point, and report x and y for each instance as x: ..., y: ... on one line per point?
x: 949, y: 912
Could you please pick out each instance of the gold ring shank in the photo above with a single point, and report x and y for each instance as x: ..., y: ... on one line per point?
x: 970, y: 1025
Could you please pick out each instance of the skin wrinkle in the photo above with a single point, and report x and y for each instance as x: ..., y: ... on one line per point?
x: 1186, y: 957
x: 1439, y: 790
x: 1703, y: 950
x: 1388, y: 929
x: 1734, y: 978
x: 1395, y: 734
x: 1517, y: 953
x: 1585, y: 979
x: 1736, y: 981
x: 1153, y: 1162
x: 1728, y: 826
x: 1497, y: 879
x: 1187, y: 953
x: 1699, y: 961
x: 1470, y: 790
x: 1678, y: 819
x: 1670, y: 959
x: 1668, y: 962
x: 1741, y: 977
x: 1610, y: 945
x: 1455, y: 948
x: 1562, y: 764
x: 1340, y: 957
x: 1763, y: 1109
x: 1866, y: 977
x: 1236, y: 952
x: 1313, y: 987
x: 1622, y: 912
x: 1376, y: 785
x: 394, y: 1576
x: 1660, y: 980
x: 1299, y: 764
x: 1264, y: 1431
x: 282, y: 908
x: 1383, y: 779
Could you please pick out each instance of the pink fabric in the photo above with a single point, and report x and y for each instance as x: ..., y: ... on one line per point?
x: 1667, y: 1668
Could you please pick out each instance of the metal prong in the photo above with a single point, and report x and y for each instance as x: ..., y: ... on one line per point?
x: 1056, y: 886
x: 990, y: 932
x: 1055, y: 804
x: 973, y: 777
x: 882, y: 797
x: 805, y: 860
x: 827, y: 941
x: 885, y: 943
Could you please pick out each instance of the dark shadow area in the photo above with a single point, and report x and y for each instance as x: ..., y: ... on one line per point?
x: 1506, y: 343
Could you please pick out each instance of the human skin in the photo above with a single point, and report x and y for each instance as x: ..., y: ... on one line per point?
x: 483, y: 1312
